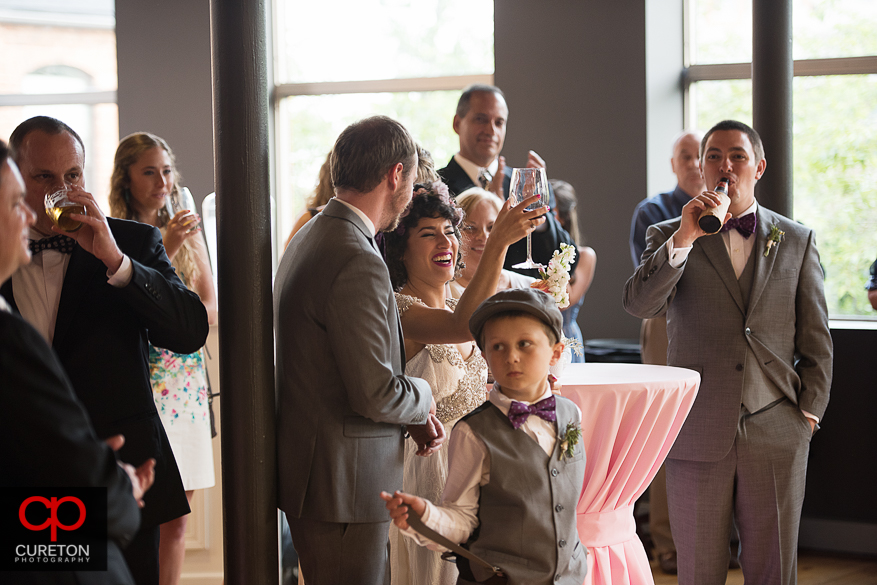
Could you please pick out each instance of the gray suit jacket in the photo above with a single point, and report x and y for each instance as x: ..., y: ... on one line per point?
x: 342, y: 395
x: 711, y: 330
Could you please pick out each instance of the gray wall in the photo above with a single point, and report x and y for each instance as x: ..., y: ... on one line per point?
x: 164, y: 81
x: 579, y: 88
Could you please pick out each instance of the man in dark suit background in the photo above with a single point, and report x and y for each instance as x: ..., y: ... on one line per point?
x: 46, y: 439
x: 98, y: 306
x: 480, y: 121
x: 745, y: 308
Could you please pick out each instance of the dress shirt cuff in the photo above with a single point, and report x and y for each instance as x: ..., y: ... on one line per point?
x: 419, y: 538
x: 123, y: 275
x: 812, y: 417
x: 677, y: 256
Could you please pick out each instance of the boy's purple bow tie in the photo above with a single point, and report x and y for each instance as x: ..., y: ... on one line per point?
x: 745, y: 224
x: 520, y: 412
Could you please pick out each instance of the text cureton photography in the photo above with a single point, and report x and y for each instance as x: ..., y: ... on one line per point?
x: 51, y: 529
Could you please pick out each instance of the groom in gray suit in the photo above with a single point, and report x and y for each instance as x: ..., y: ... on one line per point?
x: 344, y: 404
x: 745, y: 308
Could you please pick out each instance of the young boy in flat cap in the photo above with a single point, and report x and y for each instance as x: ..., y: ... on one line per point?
x: 516, y: 465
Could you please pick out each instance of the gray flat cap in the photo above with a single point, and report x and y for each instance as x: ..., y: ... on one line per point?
x: 527, y: 300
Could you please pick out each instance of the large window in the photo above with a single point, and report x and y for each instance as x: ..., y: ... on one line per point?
x: 59, y: 59
x: 407, y: 59
x: 835, y: 122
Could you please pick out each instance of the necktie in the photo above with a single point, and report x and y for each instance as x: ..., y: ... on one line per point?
x: 744, y: 224
x: 484, y: 177
x: 61, y: 243
x: 520, y: 412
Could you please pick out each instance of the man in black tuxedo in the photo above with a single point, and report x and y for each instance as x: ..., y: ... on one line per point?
x: 98, y: 306
x: 480, y: 122
x: 46, y: 439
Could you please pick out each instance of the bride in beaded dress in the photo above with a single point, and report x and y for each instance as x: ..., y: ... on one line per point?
x: 422, y: 256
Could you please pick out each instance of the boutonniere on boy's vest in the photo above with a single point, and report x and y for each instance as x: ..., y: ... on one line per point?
x: 774, y: 238
x: 569, y: 439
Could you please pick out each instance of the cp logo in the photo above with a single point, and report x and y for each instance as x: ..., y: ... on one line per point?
x: 51, y: 505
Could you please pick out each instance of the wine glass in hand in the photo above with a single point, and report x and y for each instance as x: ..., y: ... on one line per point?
x: 183, y: 201
x: 526, y: 183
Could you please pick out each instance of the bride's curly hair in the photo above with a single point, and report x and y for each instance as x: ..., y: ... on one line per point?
x: 428, y: 201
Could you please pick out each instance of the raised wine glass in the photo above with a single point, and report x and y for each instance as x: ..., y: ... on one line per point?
x: 183, y: 201
x: 526, y: 183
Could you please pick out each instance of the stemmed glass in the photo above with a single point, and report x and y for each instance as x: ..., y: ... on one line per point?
x: 175, y: 204
x: 526, y: 183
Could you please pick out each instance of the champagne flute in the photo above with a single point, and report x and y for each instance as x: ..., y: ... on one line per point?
x: 526, y: 183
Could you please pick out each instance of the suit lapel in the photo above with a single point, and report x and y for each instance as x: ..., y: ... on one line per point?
x: 455, y: 177
x: 716, y: 252
x: 79, y: 274
x: 763, y: 266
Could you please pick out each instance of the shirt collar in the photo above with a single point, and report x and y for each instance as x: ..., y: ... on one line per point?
x: 473, y: 170
x: 503, y: 402
x: 751, y: 209
x: 369, y: 225
x: 4, y: 306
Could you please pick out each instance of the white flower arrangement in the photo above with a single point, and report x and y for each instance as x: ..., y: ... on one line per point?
x: 555, y: 278
x: 554, y: 281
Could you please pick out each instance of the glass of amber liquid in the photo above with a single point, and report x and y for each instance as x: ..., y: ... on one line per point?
x: 59, y: 208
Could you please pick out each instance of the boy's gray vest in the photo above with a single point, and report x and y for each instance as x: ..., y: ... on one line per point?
x: 527, y: 510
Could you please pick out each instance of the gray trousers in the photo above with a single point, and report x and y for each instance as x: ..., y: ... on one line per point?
x: 653, y: 346
x: 331, y: 553
x: 760, y: 484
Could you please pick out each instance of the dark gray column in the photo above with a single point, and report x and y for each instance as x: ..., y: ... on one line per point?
x: 240, y: 123
x: 772, y: 71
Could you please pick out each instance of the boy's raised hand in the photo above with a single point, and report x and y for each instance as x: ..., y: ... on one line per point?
x: 398, y: 505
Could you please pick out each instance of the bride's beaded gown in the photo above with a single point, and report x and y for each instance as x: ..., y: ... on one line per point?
x: 458, y: 386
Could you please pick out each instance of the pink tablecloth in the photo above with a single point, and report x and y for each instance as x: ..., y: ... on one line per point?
x: 631, y: 415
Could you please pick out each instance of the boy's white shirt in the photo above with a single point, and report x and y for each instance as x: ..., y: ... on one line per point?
x: 469, y: 469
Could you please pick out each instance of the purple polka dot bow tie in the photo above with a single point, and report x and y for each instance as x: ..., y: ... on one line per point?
x: 744, y: 224
x: 520, y: 412
x: 62, y: 243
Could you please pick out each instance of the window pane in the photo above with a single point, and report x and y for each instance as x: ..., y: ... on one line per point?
x: 340, y: 40
x: 67, y: 39
x: 714, y: 101
x: 834, y: 28
x: 722, y: 31
x: 63, y: 47
x: 835, y: 171
x: 309, y: 125
x: 836, y: 180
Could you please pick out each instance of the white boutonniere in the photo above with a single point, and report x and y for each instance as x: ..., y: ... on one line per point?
x: 570, y: 438
x: 774, y: 238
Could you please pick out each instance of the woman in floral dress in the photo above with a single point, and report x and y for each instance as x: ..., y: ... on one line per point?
x: 144, y: 177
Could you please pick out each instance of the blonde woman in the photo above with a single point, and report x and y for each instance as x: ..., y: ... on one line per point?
x: 480, y: 208
x: 144, y: 176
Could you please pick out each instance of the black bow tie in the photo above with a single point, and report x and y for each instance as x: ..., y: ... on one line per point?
x: 745, y: 224
x: 61, y: 243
